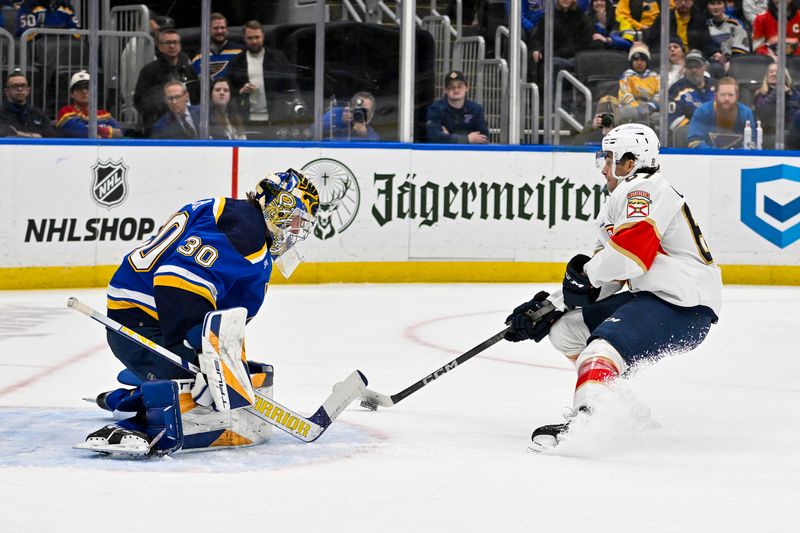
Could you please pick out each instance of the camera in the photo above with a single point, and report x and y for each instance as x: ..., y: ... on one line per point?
x: 606, y: 120
x: 360, y: 115
x: 297, y: 108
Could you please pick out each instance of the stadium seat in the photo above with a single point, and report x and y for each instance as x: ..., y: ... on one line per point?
x: 793, y: 66
x: 748, y: 70
x: 595, y: 66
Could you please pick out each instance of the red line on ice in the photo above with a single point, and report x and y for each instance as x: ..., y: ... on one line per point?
x: 50, y: 370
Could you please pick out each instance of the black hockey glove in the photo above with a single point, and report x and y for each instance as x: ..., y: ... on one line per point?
x: 578, y: 290
x: 523, y: 328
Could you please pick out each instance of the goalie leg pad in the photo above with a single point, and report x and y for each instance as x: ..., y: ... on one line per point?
x: 223, y: 359
x: 163, y: 413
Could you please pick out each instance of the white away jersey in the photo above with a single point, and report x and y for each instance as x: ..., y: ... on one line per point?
x: 649, y: 238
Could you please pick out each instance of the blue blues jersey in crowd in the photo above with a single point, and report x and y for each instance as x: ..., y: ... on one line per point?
x: 459, y: 123
x: 219, y: 60
x: 45, y: 14
x: 211, y: 254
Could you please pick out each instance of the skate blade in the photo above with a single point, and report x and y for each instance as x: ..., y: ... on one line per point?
x: 128, y: 450
x: 542, y: 443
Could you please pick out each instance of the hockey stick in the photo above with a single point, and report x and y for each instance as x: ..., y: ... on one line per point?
x: 266, y: 409
x: 371, y: 399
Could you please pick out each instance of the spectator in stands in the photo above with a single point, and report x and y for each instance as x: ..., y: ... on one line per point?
x: 638, y: 88
x: 574, y: 31
x: 729, y: 33
x: 793, y: 137
x: 606, y: 34
x: 753, y: 8
x: 130, y: 62
x: 171, y: 64
x: 532, y: 13
x: 454, y: 118
x: 351, y: 123
x: 765, y: 31
x: 223, y: 50
x: 18, y: 118
x: 181, y: 121
x: 734, y: 9
x: 469, y: 8
x: 677, y: 59
x: 157, y: 23
x: 224, y: 121
x: 604, y: 121
x: 73, y: 119
x: 765, y: 102
x: 265, y: 85
x: 635, y: 16
x: 45, y: 14
x: 721, y: 123
x: 687, y: 22
x: 3, y: 3
x: 694, y: 89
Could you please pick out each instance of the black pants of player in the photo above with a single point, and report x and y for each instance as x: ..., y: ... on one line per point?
x: 147, y: 365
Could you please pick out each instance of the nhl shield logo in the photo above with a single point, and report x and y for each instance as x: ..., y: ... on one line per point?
x: 109, y: 186
x: 771, y: 203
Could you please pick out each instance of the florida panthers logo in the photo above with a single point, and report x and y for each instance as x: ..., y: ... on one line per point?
x: 339, y: 196
x: 639, y: 204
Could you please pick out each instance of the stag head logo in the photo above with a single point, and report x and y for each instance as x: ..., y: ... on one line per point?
x: 339, y: 196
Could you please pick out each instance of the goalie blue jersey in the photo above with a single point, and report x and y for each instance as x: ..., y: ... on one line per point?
x: 211, y: 254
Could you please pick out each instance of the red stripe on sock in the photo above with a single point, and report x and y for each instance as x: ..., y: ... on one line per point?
x: 596, y: 369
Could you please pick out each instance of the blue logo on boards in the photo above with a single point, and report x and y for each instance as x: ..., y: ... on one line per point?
x: 771, y: 203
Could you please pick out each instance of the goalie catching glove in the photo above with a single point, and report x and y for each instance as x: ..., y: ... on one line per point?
x: 523, y: 327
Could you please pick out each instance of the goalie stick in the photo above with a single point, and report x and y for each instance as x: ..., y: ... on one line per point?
x: 371, y: 399
x: 266, y: 409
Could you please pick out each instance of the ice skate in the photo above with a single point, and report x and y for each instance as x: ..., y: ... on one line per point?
x: 118, y: 442
x: 548, y: 437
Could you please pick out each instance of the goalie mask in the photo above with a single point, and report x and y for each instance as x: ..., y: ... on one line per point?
x: 289, y: 202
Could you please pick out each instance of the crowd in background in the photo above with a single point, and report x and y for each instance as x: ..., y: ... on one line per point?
x: 255, y: 95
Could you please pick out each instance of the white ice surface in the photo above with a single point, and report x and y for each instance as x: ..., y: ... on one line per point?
x: 452, y: 457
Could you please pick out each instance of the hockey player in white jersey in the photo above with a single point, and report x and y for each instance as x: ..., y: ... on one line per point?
x: 647, y: 241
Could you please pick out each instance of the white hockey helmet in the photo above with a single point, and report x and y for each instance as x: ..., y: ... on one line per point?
x: 636, y: 139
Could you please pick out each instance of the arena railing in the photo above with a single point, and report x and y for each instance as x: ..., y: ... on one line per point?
x: 493, y: 91
x: 529, y: 113
x: 467, y: 52
x: 561, y: 113
x: 51, y: 56
x: 7, y: 51
x: 439, y: 27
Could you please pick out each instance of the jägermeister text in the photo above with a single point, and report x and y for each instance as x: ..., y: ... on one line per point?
x: 555, y: 199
